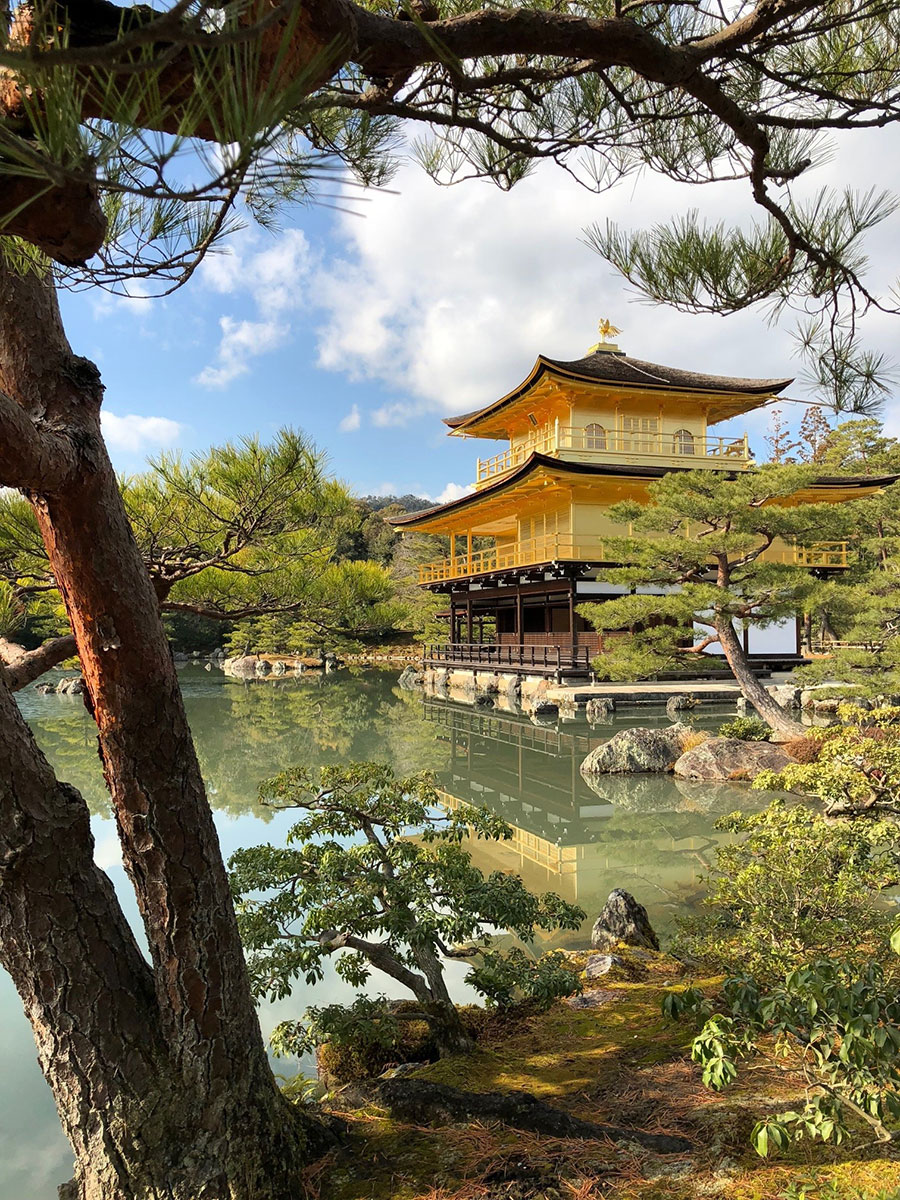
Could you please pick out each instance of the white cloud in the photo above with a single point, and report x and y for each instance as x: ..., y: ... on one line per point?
x: 452, y: 491
x: 133, y: 434
x: 398, y: 412
x: 274, y: 279
x: 456, y: 290
x: 241, y: 341
x: 352, y: 421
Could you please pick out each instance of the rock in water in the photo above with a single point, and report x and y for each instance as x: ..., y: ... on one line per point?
x: 243, y: 667
x: 784, y: 694
x: 677, y: 704
x: 411, y: 679
x: 623, y: 920
x: 70, y: 687
x: 601, y: 708
x: 729, y: 758
x: 637, y: 750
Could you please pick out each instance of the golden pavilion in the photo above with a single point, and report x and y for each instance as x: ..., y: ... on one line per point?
x: 526, y: 544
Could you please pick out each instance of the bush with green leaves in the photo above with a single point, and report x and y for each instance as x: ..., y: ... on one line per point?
x: 377, y: 875
x: 792, y: 888
x: 836, y: 1024
x: 746, y: 729
x: 857, y: 771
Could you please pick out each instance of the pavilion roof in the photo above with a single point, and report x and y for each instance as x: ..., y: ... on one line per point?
x: 613, y: 367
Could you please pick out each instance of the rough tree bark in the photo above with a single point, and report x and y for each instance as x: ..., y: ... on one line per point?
x: 217, y: 1127
x: 770, y: 711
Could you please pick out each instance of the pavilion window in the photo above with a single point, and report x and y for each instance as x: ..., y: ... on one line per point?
x: 641, y: 434
x: 594, y: 437
x: 683, y: 442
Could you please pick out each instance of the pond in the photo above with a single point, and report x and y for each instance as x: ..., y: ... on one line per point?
x: 649, y: 834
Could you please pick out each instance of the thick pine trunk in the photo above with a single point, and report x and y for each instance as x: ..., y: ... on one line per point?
x: 751, y: 688
x: 225, y: 1132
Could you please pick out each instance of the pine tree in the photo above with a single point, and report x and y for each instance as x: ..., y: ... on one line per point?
x: 720, y: 551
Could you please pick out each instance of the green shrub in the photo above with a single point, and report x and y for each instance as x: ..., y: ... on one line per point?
x: 746, y: 729
x: 835, y: 1024
x: 856, y: 771
x: 794, y: 887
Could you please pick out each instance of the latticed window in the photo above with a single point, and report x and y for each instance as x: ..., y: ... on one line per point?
x: 641, y: 434
x: 594, y: 437
x: 683, y: 442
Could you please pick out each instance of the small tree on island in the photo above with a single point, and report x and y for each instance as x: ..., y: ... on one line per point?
x: 353, y: 882
x: 708, y: 534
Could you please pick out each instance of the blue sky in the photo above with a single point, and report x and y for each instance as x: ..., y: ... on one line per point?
x: 365, y: 330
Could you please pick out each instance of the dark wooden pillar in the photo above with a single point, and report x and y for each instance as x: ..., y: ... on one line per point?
x: 520, y: 617
x: 453, y: 637
x: 469, y: 637
x: 572, y: 612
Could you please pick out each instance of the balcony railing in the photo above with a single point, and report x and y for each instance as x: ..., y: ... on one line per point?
x: 566, y: 548
x: 549, y: 548
x: 819, y: 554
x: 543, y: 660
x: 677, y: 448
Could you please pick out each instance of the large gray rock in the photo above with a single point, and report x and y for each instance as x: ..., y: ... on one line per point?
x: 278, y: 667
x: 785, y: 694
x: 637, y: 749
x: 677, y: 704
x: 729, y: 758
x: 545, y: 708
x: 263, y: 667
x: 623, y: 920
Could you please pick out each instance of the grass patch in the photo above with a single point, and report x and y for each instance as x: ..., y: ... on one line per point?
x: 619, y: 1063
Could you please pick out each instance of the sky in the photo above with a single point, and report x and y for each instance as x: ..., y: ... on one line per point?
x: 364, y: 328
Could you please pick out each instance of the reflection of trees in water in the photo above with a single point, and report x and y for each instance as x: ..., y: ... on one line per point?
x: 252, y: 731
x: 67, y: 735
x: 248, y: 732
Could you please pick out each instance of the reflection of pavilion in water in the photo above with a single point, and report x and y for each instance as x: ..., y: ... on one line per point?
x: 579, y: 837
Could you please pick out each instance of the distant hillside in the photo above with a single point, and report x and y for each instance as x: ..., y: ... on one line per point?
x: 407, y: 503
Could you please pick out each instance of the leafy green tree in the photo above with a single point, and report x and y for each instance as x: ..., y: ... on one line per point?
x: 791, y: 888
x: 353, y: 882
x: 857, y: 616
x: 702, y: 542
x: 243, y: 534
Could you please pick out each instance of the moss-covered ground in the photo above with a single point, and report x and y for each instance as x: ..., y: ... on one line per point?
x: 617, y: 1061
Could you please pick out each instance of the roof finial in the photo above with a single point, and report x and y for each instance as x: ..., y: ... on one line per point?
x: 606, y: 345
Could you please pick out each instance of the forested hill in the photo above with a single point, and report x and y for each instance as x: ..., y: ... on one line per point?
x: 407, y: 503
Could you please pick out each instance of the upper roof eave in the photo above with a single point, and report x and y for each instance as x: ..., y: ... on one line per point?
x: 623, y: 471
x: 645, y: 376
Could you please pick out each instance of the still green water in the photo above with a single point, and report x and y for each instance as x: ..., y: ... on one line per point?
x: 648, y: 834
